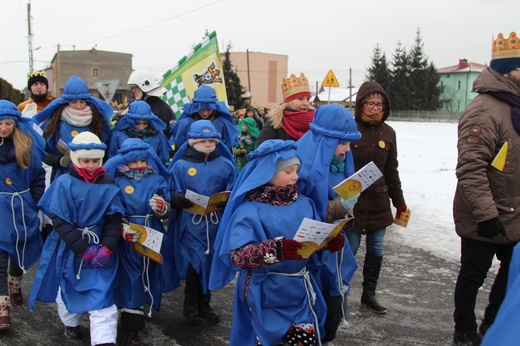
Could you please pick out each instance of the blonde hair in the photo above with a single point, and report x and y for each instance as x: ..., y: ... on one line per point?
x: 276, y: 114
x: 22, y: 147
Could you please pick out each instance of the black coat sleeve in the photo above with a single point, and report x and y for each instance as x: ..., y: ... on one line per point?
x: 70, y: 235
x: 38, y: 186
x: 111, y: 231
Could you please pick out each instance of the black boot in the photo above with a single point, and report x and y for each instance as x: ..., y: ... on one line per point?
x: 205, y: 311
x: 371, y: 270
x: 191, y: 309
x: 132, y: 321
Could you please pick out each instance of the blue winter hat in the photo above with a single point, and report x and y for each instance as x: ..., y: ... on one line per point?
x: 505, y: 54
x: 8, y: 110
x: 203, y: 129
x: 139, y: 110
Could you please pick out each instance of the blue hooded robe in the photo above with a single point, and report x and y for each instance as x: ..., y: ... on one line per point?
x: 332, y: 125
x: 131, y: 291
x: 140, y: 110
x: 83, y: 287
x: 205, y: 98
x: 283, y: 293
x: 195, y: 234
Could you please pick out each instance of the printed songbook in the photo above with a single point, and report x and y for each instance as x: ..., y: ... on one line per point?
x: 149, y: 243
x: 358, y: 181
x: 204, y: 205
x: 314, y: 235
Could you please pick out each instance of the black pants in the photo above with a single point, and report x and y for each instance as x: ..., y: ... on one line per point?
x: 334, y: 316
x: 7, y: 265
x: 193, y: 286
x: 476, y: 259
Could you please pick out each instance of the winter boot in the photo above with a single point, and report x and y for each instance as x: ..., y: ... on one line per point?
x: 15, y: 290
x: 205, y: 311
x: 461, y: 339
x: 371, y: 270
x: 5, y: 313
x: 132, y: 339
x: 73, y: 332
x: 191, y: 309
x: 484, y: 326
x: 132, y: 321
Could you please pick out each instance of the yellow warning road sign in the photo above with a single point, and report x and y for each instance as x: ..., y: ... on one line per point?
x: 330, y: 80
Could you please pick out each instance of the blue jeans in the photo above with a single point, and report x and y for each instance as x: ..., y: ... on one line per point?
x: 374, y: 241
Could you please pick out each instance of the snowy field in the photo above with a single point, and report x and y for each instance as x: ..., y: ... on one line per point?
x: 427, y: 154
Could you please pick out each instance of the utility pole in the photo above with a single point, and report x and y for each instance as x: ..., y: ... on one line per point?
x: 30, y: 36
x: 350, y: 86
x: 248, y: 72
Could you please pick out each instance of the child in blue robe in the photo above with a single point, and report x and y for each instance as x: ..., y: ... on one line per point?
x: 206, y: 106
x: 140, y: 122
x: 144, y: 184
x: 74, y: 112
x: 277, y: 301
x: 22, y: 183
x: 203, y: 165
x: 78, y: 266
x: 326, y: 161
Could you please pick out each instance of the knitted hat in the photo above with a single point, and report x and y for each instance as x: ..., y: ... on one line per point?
x: 37, y: 76
x: 282, y: 164
x: 295, y: 87
x: 8, y: 110
x: 86, y: 145
x: 505, y: 53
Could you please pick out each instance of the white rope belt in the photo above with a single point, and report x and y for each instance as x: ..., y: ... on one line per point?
x: 91, y: 237
x: 311, y: 295
x: 21, y: 259
x: 213, y: 218
x: 145, y: 217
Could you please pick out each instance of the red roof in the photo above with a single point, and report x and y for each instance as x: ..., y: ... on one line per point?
x: 463, y: 66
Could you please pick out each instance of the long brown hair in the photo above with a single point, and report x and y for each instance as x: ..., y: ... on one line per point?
x: 96, y: 126
x: 22, y: 147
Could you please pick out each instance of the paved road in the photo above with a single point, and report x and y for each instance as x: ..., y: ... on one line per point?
x: 415, y: 286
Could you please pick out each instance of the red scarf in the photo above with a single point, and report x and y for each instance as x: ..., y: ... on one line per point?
x: 295, y: 124
x: 90, y: 177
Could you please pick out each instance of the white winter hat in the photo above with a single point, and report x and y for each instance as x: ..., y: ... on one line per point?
x: 86, y: 145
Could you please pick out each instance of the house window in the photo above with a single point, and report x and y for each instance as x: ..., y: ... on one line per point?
x: 458, y: 85
x: 95, y: 72
x: 458, y: 105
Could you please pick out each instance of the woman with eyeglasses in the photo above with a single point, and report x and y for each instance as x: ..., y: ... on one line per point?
x: 372, y: 211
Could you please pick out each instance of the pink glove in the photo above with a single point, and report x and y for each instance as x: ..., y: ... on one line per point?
x: 89, y: 253
x: 102, y: 258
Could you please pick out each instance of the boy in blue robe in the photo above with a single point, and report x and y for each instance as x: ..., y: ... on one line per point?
x: 144, y: 184
x: 326, y: 161
x: 205, y: 106
x: 22, y: 185
x: 203, y: 165
x: 140, y: 122
x: 276, y: 300
x: 78, y: 266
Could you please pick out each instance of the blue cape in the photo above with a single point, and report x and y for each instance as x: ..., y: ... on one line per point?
x: 139, y: 110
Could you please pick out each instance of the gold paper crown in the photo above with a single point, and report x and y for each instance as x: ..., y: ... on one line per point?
x: 36, y: 74
x: 295, y: 85
x: 506, y: 48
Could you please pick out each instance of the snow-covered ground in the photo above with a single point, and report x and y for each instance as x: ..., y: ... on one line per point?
x: 427, y: 160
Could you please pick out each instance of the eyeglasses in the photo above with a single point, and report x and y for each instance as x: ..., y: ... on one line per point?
x: 371, y: 105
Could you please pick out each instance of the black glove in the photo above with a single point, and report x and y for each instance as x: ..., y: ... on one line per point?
x: 490, y: 228
x: 179, y: 201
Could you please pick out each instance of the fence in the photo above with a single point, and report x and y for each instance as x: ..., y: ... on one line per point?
x: 424, y: 116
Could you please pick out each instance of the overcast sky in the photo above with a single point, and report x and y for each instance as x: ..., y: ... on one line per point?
x: 316, y: 35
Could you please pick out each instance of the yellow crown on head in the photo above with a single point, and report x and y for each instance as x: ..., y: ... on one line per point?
x: 504, y: 48
x: 36, y: 74
x: 294, y: 85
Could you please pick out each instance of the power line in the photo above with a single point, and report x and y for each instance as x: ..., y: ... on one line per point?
x: 150, y: 25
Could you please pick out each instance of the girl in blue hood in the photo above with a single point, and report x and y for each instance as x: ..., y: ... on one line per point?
x: 74, y: 112
x: 205, y: 106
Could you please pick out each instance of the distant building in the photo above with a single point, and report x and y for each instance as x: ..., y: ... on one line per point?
x: 341, y: 96
x: 93, y: 66
x: 261, y: 74
x: 457, y: 81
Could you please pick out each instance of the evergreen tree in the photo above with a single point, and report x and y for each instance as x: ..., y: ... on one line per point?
x: 379, y: 71
x: 234, y: 89
x: 399, y: 91
x: 424, y: 79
